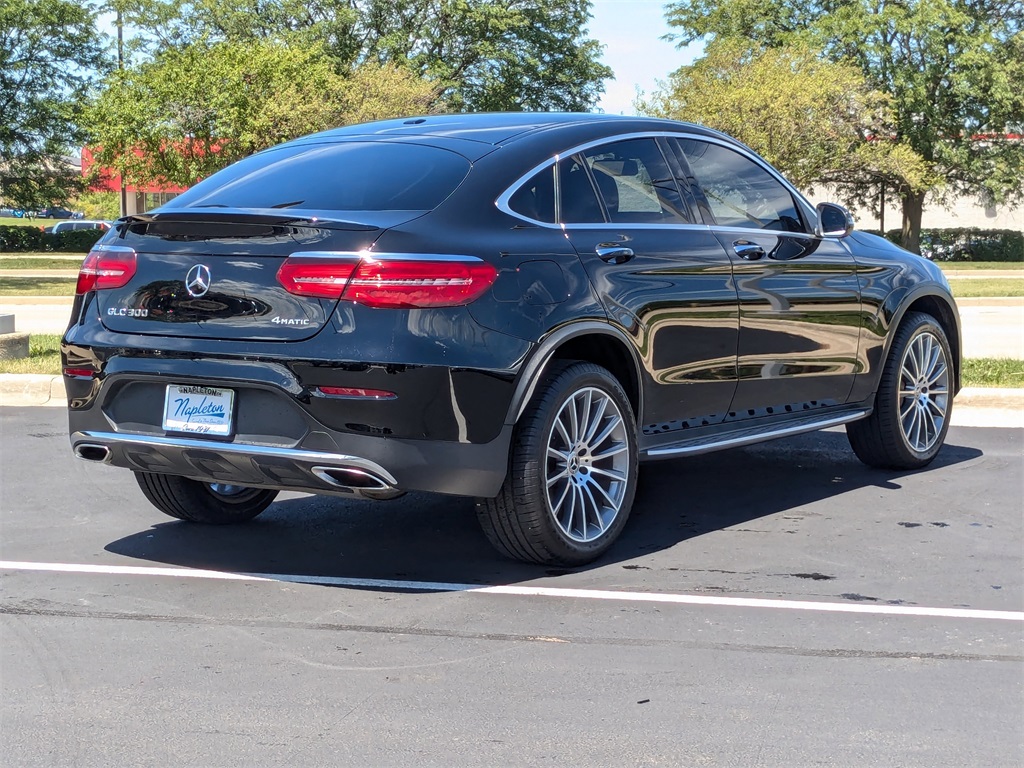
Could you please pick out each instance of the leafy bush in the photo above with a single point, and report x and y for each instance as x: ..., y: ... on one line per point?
x: 968, y: 244
x: 14, y: 239
x: 74, y: 241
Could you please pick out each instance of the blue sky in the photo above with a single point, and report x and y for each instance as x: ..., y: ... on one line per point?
x: 630, y: 31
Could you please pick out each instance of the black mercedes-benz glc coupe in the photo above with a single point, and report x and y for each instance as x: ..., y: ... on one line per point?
x: 519, y: 308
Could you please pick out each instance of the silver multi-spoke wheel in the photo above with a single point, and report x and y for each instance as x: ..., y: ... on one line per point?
x: 573, y: 470
x: 587, y: 464
x: 923, y: 392
x: 910, y: 418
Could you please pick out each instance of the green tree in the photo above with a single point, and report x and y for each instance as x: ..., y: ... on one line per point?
x: 482, y: 54
x: 193, y: 110
x: 50, y: 54
x: 952, y: 68
x: 97, y: 205
x: 815, y: 120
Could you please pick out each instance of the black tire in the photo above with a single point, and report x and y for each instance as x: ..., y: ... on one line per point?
x: 911, y: 416
x: 199, y: 502
x: 520, y: 521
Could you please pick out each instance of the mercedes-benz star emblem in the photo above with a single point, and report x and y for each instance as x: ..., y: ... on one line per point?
x: 197, y: 281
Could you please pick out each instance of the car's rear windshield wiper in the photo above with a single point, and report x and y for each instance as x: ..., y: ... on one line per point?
x: 288, y: 205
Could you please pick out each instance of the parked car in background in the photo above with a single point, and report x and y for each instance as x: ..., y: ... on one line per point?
x: 60, y: 213
x: 519, y: 308
x: 72, y: 225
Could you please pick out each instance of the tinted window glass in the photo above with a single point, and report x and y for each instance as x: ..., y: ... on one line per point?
x: 636, y: 183
x: 578, y: 198
x: 740, y: 192
x: 535, y: 199
x: 348, y: 176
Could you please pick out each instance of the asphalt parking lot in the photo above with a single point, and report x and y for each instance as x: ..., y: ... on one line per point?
x: 779, y: 605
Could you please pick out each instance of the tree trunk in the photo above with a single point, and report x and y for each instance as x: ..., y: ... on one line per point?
x: 913, y: 208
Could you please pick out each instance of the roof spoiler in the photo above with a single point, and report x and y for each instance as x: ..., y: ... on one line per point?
x: 247, y: 216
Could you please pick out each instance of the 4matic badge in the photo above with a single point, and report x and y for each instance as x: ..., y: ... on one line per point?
x: 278, y: 320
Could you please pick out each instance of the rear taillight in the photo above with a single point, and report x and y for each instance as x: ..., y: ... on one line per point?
x: 318, y: 276
x: 106, y: 266
x: 419, y: 283
x: 388, y: 280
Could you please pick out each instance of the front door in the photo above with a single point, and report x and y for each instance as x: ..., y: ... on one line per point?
x: 798, y: 293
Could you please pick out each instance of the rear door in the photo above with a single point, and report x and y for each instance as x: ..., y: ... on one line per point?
x: 663, y: 278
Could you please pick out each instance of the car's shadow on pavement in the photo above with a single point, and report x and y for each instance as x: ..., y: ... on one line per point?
x: 437, y: 539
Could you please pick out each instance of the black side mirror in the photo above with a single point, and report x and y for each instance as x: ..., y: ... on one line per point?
x: 833, y: 221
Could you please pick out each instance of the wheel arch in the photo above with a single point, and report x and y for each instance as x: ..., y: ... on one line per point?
x: 936, y: 304
x: 592, y: 342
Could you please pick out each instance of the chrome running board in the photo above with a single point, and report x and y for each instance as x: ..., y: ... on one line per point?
x: 750, y: 435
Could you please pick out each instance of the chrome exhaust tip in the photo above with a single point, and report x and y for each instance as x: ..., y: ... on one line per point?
x: 93, y: 452
x: 358, y: 482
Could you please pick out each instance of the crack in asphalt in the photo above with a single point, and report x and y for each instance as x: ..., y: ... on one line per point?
x: 16, y: 609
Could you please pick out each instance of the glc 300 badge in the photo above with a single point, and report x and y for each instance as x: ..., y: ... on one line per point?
x: 197, y: 281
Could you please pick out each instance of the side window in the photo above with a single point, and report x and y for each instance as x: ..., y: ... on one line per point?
x: 535, y: 199
x: 740, y: 192
x: 579, y: 203
x: 636, y: 183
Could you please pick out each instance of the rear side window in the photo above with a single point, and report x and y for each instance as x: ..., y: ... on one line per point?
x: 636, y: 183
x: 346, y: 176
x: 578, y: 199
x: 535, y: 199
x: 741, y: 193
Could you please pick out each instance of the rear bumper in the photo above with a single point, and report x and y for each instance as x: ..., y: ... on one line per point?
x: 286, y: 439
x: 368, y: 467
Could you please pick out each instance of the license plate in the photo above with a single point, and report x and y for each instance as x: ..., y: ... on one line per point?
x: 198, y: 410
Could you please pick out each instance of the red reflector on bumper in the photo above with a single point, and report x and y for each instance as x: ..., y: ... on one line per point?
x: 356, y: 393
x: 80, y: 373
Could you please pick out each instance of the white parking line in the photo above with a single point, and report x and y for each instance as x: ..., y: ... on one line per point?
x: 583, y: 594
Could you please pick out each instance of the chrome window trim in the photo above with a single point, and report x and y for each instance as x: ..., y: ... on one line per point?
x: 752, y: 231
x: 502, y: 202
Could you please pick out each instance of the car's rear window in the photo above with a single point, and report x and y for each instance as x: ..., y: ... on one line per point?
x: 346, y: 176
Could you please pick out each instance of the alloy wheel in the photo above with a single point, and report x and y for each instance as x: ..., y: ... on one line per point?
x: 587, y: 464
x: 923, y: 392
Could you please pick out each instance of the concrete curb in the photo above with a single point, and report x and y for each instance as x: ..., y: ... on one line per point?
x: 32, y: 389
x: 44, y: 300
x: 974, y: 407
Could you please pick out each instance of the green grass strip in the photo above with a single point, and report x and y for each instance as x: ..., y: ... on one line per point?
x: 993, y: 372
x: 43, y: 356
x: 987, y: 287
x: 36, y: 263
x: 32, y: 286
x: 980, y: 266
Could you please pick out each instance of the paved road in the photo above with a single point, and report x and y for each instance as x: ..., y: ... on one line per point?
x: 132, y: 667
x: 990, y: 330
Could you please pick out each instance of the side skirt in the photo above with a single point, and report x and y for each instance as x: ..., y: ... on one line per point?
x: 737, y: 435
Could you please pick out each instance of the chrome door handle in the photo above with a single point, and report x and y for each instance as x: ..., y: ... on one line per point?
x: 614, y: 254
x: 748, y: 250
